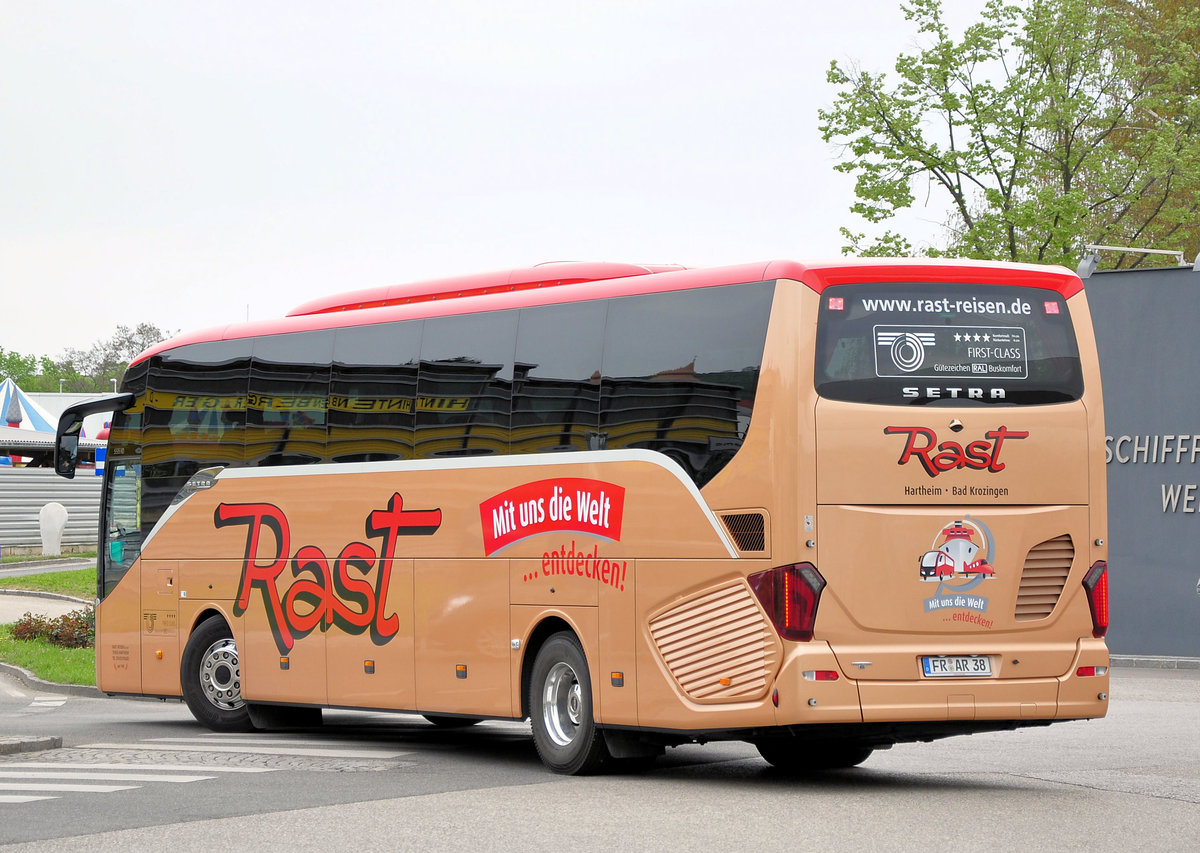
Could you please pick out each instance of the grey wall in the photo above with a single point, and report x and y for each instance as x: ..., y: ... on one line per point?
x: 24, y: 491
x: 1148, y: 333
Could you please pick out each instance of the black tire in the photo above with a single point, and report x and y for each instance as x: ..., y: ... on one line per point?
x: 801, y: 756
x: 450, y: 722
x: 561, y: 708
x: 212, y: 680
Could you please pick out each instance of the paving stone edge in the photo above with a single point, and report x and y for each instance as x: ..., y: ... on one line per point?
x: 28, y: 743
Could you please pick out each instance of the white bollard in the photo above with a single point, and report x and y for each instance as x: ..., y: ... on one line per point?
x: 53, y: 520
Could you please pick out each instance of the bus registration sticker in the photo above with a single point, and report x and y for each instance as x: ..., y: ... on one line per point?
x: 957, y: 666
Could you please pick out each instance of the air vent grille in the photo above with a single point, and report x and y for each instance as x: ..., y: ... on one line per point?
x: 718, y: 646
x: 1046, y: 568
x: 748, y: 529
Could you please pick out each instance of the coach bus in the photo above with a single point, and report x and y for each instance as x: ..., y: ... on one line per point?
x: 819, y: 507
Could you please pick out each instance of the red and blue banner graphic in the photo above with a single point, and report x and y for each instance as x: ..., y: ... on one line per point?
x: 571, y: 504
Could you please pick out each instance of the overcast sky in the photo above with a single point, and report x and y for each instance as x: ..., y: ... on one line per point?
x: 191, y: 164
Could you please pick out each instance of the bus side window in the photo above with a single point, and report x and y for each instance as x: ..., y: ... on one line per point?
x: 288, y: 395
x: 208, y: 378
x: 681, y: 370
x: 373, y: 392
x: 464, y: 385
x: 556, y: 388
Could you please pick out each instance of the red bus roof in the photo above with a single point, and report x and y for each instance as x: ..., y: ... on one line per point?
x: 479, y: 284
x: 575, y: 282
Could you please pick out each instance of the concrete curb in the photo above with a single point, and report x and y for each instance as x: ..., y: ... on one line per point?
x: 36, y: 743
x: 36, y: 593
x: 34, y: 683
x: 1152, y: 662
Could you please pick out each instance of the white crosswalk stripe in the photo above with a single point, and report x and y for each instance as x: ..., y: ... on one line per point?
x: 64, y: 786
x: 17, y: 799
x: 89, y: 774
x: 183, y: 768
x: 259, y: 745
x: 46, y: 703
x: 30, y: 781
x: 49, y: 701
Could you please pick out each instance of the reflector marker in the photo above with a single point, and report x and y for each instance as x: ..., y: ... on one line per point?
x: 820, y: 675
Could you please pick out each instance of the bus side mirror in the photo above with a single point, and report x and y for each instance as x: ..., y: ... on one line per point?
x: 66, y: 451
x: 70, y: 425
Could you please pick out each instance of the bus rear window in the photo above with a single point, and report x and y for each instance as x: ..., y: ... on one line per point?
x: 946, y: 344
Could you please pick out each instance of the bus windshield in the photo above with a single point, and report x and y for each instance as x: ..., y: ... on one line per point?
x: 948, y: 344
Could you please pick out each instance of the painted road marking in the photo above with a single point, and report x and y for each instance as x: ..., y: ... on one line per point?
x: 102, y: 776
x: 250, y: 747
x: 184, y: 768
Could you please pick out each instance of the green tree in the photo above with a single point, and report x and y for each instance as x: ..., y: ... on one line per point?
x: 17, y: 367
x: 82, y: 371
x: 1049, y: 124
x: 39, y: 373
x: 106, y: 360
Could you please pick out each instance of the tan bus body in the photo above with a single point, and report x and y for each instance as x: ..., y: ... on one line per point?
x: 951, y: 541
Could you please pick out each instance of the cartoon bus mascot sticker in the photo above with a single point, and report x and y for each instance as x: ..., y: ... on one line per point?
x: 955, y: 552
x: 961, y: 559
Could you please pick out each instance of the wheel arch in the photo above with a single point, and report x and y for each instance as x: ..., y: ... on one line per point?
x: 188, y: 628
x: 208, y: 611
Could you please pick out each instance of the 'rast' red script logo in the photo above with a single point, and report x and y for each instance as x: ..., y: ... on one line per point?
x: 937, y: 458
x: 564, y: 503
x: 329, y: 595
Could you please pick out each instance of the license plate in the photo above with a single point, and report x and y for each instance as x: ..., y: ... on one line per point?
x: 957, y: 666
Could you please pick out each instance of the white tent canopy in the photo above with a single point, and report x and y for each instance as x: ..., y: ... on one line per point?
x: 17, y: 409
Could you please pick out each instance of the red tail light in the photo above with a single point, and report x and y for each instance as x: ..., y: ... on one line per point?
x: 1095, y: 584
x: 790, y: 595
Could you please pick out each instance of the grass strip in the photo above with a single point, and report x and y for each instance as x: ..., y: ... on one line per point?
x: 48, y: 661
x: 79, y: 583
x: 40, y: 558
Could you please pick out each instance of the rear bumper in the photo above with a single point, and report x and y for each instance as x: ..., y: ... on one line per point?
x: 846, y: 700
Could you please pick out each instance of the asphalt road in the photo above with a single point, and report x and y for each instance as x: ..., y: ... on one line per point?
x: 393, y: 782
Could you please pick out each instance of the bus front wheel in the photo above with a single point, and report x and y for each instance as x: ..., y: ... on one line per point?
x: 212, y: 678
x: 561, y: 709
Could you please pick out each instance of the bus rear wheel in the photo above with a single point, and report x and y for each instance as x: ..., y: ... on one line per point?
x: 799, y: 756
x: 212, y: 678
x: 561, y: 708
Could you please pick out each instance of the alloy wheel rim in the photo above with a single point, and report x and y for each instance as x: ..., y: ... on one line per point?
x: 221, y: 676
x: 562, y: 704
